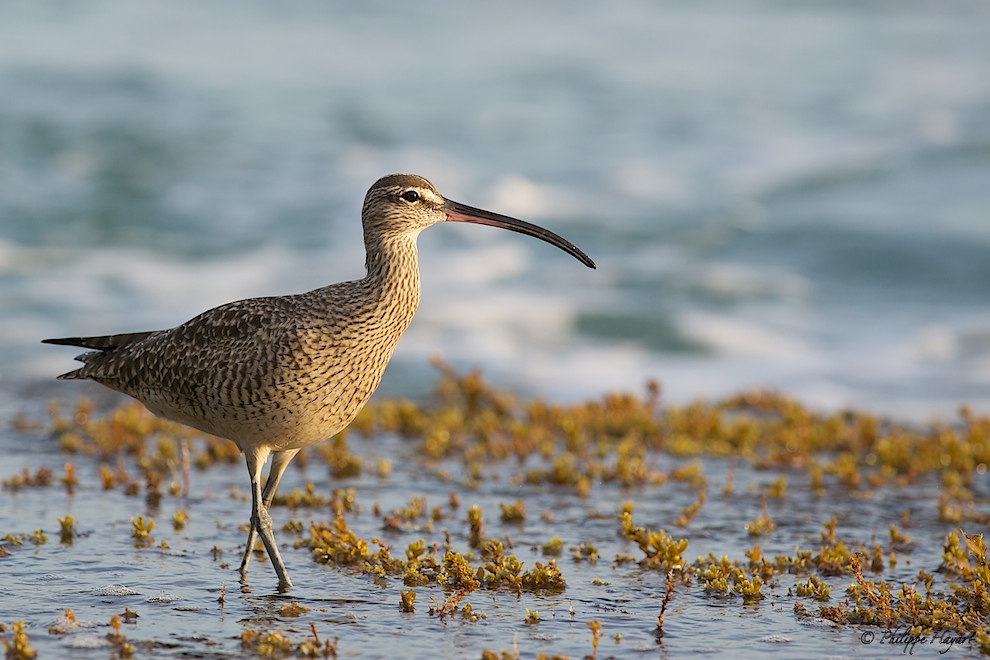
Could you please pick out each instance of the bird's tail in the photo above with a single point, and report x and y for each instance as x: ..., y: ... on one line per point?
x: 101, y: 345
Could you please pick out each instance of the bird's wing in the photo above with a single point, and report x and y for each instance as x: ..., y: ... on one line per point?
x: 229, y: 341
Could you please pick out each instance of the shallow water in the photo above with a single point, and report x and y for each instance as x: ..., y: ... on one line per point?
x: 175, y: 591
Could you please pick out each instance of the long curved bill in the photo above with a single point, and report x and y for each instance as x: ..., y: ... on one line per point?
x: 457, y: 212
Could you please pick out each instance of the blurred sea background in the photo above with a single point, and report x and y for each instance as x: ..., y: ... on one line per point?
x: 792, y: 195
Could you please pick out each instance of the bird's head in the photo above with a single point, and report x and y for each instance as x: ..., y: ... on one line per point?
x: 401, y: 204
x: 404, y: 204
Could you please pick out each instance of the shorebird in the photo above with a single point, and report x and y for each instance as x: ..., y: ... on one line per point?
x: 282, y: 373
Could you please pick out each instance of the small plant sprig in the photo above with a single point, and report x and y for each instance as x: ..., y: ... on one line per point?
x: 661, y: 550
x: 596, y: 634
x: 67, y: 530
x: 141, y: 532
x: 763, y: 524
x: 19, y: 646
x: 407, y: 600
x: 689, y: 512
x: 668, y: 594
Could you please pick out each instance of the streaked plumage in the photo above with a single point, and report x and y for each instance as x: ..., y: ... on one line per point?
x: 281, y: 373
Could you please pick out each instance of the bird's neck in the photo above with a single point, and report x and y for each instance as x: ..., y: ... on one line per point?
x: 393, y: 275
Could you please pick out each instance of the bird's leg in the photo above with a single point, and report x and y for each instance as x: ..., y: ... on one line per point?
x: 254, y: 472
x: 280, y: 461
x: 260, y: 520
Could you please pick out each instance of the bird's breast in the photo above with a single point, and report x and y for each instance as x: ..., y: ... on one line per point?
x: 323, y: 383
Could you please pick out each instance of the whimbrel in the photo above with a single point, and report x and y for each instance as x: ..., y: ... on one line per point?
x: 281, y: 373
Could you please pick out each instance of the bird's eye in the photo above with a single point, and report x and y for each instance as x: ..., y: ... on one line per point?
x: 410, y: 196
